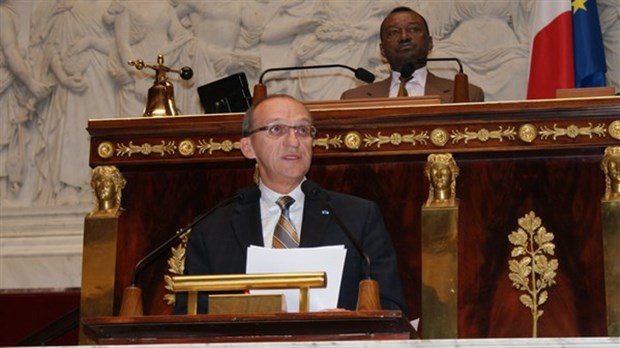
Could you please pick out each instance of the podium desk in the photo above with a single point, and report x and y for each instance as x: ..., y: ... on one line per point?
x: 514, y: 158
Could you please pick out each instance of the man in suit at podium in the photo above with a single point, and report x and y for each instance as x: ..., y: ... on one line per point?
x: 405, y: 39
x: 278, y: 133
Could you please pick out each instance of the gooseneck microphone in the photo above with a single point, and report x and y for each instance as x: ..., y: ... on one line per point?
x: 311, y: 189
x: 260, y: 90
x: 368, y: 296
x: 461, y: 84
x: 131, y: 304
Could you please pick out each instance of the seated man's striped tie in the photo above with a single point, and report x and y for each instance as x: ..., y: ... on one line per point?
x: 285, y: 236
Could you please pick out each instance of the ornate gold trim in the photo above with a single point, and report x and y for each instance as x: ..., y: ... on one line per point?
x: 211, y: 146
x: 176, y: 262
x: 353, y: 140
x: 395, y: 139
x: 572, y: 131
x: 146, y: 149
x: 105, y: 149
x: 614, y: 129
x: 439, y: 137
x: 483, y: 135
x: 187, y: 147
x: 528, y: 132
x: 530, y: 270
x: 326, y: 142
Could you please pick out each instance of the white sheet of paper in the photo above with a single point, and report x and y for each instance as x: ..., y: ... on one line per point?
x: 329, y: 259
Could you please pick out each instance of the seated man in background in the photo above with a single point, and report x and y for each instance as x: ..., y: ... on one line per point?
x: 278, y: 133
x: 405, y: 40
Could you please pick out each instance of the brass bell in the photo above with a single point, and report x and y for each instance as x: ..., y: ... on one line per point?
x: 160, y: 97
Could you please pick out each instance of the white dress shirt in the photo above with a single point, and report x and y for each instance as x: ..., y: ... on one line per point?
x: 415, y: 86
x: 270, y: 211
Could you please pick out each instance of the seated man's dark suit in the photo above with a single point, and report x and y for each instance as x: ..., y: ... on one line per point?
x: 434, y: 86
x: 218, y: 245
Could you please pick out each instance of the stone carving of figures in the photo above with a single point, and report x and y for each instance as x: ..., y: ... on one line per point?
x: 73, y: 55
x: 491, y: 38
x: 107, y: 184
x: 285, y: 21
x: 353, y: 27
x: 19, y: 93
x: 609, y: 15
x: 143, y: 29
x: 441, y: 171
x: 611, y: 167
x: 223, y: 31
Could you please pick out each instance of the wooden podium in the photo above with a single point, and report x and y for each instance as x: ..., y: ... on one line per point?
x: 514, y: 158
x: 315, y: 326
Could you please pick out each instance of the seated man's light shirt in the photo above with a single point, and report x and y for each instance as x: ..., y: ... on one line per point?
x: 270, y: 211
x: 415, y: 86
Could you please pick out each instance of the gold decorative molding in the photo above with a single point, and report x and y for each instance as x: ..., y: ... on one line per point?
x: 353, y: 140
x: 105, y: 149
x: 176, y: 262
x: 572, y: 131
x: 614, y: 129
x: 528, y: 132
x: 187, y: 147
x: 439, y: 137
x: 483, y: 135
x: 328, y: 142
x: 146, y: 149
x: 530, y: 269
x: 395, y: 139
x: 211, y: 146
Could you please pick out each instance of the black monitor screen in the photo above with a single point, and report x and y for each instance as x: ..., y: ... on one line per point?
x: 230, y: 94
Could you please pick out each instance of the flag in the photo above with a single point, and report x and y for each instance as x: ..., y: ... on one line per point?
x: 589, y: 53
x: 551, y: 53
x: 567, y: 47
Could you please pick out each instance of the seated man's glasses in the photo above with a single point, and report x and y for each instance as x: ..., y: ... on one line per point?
x: 278, y: 130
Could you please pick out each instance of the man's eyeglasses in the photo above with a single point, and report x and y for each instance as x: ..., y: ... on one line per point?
x: 278, y: 130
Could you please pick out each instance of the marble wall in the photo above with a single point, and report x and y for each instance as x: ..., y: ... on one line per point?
x: 63, y: 62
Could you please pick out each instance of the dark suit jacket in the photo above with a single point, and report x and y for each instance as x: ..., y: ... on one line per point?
x: 218, y: 245
x: 434, y: 86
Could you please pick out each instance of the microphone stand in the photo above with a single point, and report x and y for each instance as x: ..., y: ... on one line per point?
x: 368, y: 298
x: 131, y: 302
x: 260, y: 90
x: 461, y: 83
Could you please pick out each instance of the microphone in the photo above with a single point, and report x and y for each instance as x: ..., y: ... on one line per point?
x: 461, y: 84
x: 260, y: 90
x: 131, y: 304
x: 368, y: 296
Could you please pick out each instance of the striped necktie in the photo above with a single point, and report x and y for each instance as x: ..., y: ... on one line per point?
x: 402, y: 88
x: 285, y: 236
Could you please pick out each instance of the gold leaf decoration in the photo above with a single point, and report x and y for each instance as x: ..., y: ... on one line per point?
x: 328, y: 142
x: 176, y: 264
x: 396, y: 139
x: 572, y: 131
x: 531, y: 269
x: 211, y: 146
x: 146, y: 149
x: 483, y: 135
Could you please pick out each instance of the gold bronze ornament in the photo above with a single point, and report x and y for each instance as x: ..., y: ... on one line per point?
x: 395, y: 139
x: 187, y: 148
x: 439, y: 137
x: 211, y: 146
x: 105, y: 150
x: 327, y: 142
x: 441, y: 171
x: 146, y: 149
x: 483, y: 135
x: 107, y: 183
x: 614, y: 129
x: 531, y: 271
x: 572, y: 131
x: 528, y: 132
x: 610, y: 165
x: 176, y: 264
x: 353, y: 140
